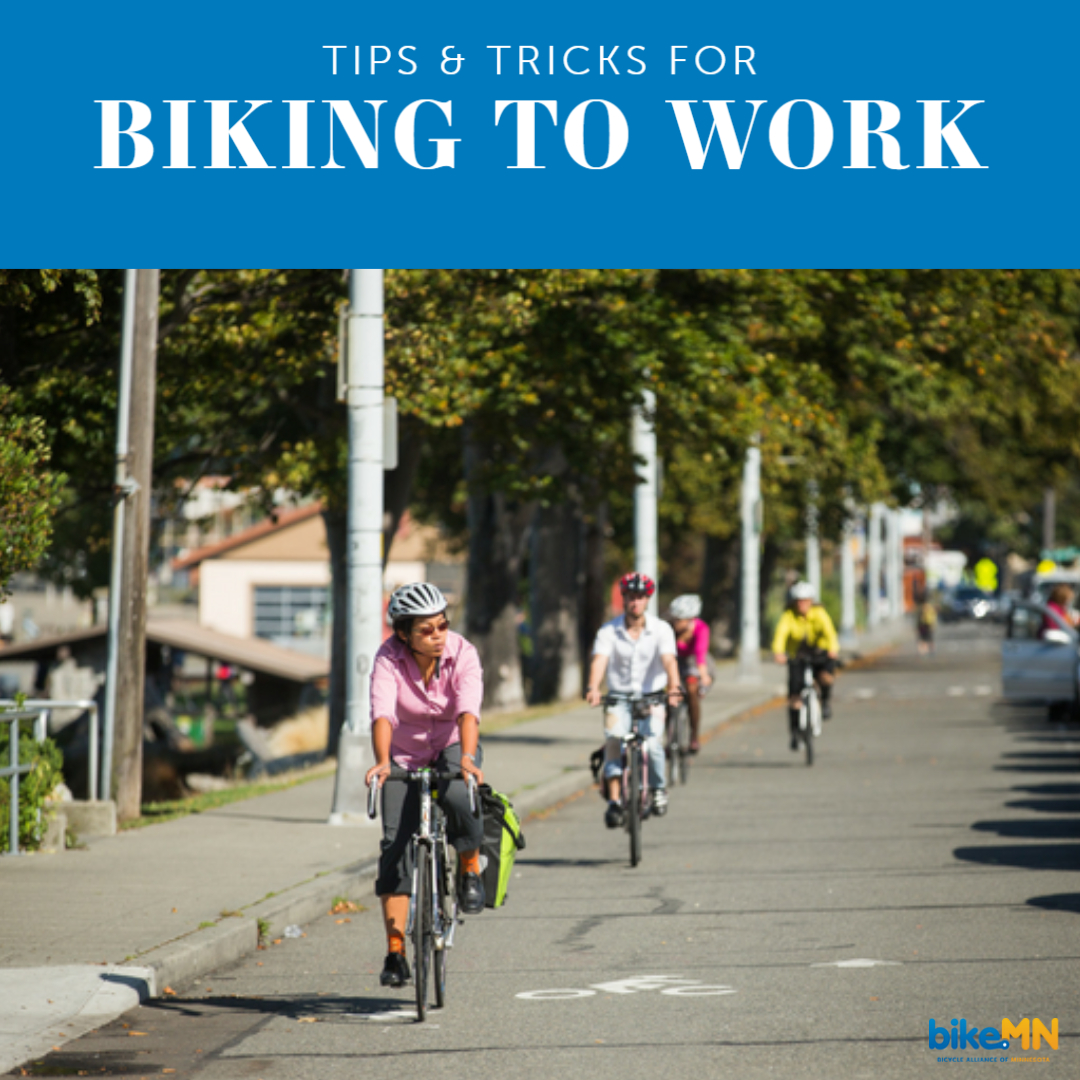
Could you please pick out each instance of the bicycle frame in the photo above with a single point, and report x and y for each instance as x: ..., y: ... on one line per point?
x: 641, y: 707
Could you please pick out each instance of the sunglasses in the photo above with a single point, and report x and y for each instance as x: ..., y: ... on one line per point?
x: 431, y: 631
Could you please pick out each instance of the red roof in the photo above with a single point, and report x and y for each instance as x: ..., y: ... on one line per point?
x: 280, y: 519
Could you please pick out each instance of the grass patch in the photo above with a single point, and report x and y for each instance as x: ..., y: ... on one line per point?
x: 153, y: 813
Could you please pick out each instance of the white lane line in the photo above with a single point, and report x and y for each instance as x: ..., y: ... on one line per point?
x: 983, y: 691
x: 860, y: 963
x: 865, y: 694
x: 956, y: 691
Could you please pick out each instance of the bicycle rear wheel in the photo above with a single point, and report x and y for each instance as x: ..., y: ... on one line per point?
x: 448, y: 913
x: 671, y: 748
x: 682, y: 740
x: 422, y: 933
x: 633, y: 807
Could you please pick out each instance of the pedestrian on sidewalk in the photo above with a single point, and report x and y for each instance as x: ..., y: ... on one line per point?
x: 426, y: 689
x: 926, y: 623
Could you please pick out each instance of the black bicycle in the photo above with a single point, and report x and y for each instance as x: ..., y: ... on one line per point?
x: 634, y: 790
x: 433, y: 899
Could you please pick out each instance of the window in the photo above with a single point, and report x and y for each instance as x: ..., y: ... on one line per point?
x: 291, y: 611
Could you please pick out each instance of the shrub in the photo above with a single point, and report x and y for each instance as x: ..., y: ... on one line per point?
x: 35, y: 786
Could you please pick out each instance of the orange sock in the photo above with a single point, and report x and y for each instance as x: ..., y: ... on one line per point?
x: 396, y: 941
x: 470, y: 862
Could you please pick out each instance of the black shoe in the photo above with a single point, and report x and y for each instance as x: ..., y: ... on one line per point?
x: 826, y: 711
x: 471, y: 894
x: 613, y: 816
x: 395, y: 970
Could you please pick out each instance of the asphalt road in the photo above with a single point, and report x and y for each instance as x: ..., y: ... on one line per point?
x: 786, y: 921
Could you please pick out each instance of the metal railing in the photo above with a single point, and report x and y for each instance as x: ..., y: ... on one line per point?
x: 14, y: 770
x: 43, y: 706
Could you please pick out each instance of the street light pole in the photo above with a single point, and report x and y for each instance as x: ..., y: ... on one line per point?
x: 364, y: 397
x: 750, y: 628
x: 646, y: 493
x: 847, y: 582
x: 813, y: 543
x: 873, y: 566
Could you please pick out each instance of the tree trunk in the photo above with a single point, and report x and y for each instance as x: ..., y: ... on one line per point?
x: 594, y: 591
x: 496, y: 530
x: 556, y: 580
x: 131, y: 646
x: 398, y: 483
x: 770, y: 558
x: 721, y: 593
x: 337, y: 539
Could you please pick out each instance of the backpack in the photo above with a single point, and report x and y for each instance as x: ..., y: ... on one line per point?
x: 503, y: 839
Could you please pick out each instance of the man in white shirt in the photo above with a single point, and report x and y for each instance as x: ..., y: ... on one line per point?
x: 637, y: 652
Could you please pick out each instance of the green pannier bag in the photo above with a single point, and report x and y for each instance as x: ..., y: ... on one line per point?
x: 503, y: 839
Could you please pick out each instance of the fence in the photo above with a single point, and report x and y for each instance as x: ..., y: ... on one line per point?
x: 42, y: 706
x: 14, y: 770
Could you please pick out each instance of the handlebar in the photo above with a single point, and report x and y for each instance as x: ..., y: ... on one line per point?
x: 654, y: 697
x: 397, y: 773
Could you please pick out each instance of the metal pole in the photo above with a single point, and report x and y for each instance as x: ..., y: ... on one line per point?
x: 750, y: 629
x: 364, y: 397
x: 1049, y: 520
x: 873, y: 566
x: 120, y: 484
x: 847, y: 582
x: 813, y: 543
x: 892, y: 533
x: 646, y: 495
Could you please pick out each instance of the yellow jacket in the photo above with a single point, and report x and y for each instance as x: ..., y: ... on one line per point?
x: 814, y: 629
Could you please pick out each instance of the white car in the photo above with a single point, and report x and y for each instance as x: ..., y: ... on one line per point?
x: 1040, y: 657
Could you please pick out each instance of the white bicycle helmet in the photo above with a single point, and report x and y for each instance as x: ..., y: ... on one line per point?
x: 687, y: 606
x: 416, y: 601
x: 802, y: 590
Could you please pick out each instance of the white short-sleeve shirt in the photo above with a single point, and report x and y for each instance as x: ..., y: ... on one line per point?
x: 635, y: 667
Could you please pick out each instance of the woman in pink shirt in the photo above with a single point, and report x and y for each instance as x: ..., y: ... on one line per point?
x: 426, y: 691
x: 692, y: 645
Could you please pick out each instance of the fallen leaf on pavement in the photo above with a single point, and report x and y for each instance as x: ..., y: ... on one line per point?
x: 170, y: 991
x: 340, y: 921
x: 131, y: 1033
x: 342, y: 906
x: 308, y: 1020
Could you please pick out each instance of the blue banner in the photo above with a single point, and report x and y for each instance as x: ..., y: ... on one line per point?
x: 569, y: 134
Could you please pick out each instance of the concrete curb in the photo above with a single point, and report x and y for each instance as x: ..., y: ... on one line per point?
x: 178, y: 963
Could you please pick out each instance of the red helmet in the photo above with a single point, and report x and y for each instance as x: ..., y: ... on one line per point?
x: 637, y: 583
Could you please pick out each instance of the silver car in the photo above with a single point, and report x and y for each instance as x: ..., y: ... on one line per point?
x: 1040, y: 657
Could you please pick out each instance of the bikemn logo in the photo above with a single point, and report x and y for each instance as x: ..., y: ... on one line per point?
x: 960, y: 1035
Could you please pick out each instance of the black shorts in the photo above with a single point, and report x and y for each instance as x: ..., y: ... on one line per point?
x: 401, y: 819
x: 820, y: 661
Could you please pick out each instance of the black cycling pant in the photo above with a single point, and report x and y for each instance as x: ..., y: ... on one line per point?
x: 820, y: 662
x: 401, y: 819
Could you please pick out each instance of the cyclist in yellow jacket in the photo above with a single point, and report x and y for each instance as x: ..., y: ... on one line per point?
x: 805, y: 635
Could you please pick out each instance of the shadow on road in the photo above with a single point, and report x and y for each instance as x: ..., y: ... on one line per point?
x: 1049, y: 849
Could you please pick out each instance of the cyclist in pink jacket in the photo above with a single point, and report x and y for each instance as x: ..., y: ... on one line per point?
x: 692, y: 645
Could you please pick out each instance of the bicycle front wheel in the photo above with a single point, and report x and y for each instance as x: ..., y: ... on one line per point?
x: 422, y: 932
x: 671, y: 749
x: 633, y: 807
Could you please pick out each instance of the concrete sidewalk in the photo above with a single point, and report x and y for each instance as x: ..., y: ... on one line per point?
x: 163, y: 905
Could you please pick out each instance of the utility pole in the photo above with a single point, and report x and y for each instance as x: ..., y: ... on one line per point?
x: 1049, y: 519
x: 364, y: 397
x: 873, y: 566
x: 847, y: 581
x: 894, y: 571
x: 126, y: 667
x: 813, y: 543
x: 646, y: 494
x: 750, y: 629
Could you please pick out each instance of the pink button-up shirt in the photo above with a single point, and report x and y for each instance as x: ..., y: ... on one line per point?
x: 424, y: 718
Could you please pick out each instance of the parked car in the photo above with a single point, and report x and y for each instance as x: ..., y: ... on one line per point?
x: 967, y: 602
x: 1040, y: 659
